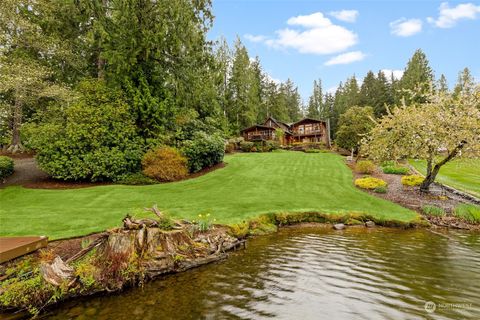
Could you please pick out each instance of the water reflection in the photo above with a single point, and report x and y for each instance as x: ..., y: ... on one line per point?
x: 313, y: 273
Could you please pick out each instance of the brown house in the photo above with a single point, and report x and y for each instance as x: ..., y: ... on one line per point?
x: 305, y: 130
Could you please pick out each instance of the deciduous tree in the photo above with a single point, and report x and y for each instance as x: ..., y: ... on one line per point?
x: 443, y: 128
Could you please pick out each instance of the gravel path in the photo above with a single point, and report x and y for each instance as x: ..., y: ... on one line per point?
x: 26, y: 172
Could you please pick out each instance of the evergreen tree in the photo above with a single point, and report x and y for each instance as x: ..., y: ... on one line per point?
x: 417, y: 79
x: 442, y: 84
x: 293, y: 101
x: 383, y: 94
x: 368, y: 93
x: 465, y: 83
x: 239, y: 112
x: 315, y: 102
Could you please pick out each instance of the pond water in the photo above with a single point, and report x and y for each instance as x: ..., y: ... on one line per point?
x: 313, y: 273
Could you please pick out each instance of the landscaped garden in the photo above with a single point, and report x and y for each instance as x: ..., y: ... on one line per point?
x: 462, y: 174
x: 249, y: 185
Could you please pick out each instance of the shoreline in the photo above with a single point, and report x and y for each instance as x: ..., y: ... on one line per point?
x: 121, y: 258
x: 162, y: 253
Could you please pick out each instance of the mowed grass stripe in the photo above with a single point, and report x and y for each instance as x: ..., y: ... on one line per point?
x: 462, y: 174
x: 250, y: 184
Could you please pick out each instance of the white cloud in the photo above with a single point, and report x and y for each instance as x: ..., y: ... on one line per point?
x: 314, y: 20
x: 253, y: 38
x: 397, y: 74
x: 319, y: 36
x: 345, y: 15
x: 346, y: 58
x: 406, y: 27
x: 448, y: 17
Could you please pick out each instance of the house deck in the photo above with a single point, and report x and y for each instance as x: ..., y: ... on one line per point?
x: 13, y: 247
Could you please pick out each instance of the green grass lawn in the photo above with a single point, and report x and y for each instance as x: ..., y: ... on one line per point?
x: 462, y: 174
x: 250, y: 184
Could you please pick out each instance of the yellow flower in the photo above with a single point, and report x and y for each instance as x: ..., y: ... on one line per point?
x: 199, y: 215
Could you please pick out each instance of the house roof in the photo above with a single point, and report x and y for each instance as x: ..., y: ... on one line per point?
x: 307, y: 119
x: 285, y: 126
x: 281, y: 124
x: 257, y: 126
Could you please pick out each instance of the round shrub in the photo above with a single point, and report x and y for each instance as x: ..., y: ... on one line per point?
x: 203, y: 151
x: 365, y: 166
x: 271, y: 146
x: 370, y: 183
x: 381, y: 189
x: 412, y: 180
x: 94, y: 138
x: 395, y: 170
x: 6, y: 167
x: 165, y: 164
x: 246, y: 146
x: 229, y: 147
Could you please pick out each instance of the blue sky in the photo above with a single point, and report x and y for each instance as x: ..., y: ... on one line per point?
x: 332, y: 40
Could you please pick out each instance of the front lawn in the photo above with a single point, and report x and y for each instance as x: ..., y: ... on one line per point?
x: 250, y: 184
x: 462, y: 174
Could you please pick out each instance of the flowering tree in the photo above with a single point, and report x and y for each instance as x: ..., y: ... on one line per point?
x: 442, y: 129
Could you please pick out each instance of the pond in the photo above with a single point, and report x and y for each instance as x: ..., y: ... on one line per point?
x: 313, y: 273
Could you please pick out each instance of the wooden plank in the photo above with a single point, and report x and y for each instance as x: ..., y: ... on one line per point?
x: 13, y: 247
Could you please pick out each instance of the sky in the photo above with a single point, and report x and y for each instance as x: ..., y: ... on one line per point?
x: 333, y: 40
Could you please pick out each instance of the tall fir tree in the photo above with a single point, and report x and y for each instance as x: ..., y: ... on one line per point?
x: 465, y: 83
x: 442, y: 84
x: 315, y: 106
x: 417, y: 79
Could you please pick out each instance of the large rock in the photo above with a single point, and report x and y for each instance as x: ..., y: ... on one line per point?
x: 339, y: 226
x: 369, y: 224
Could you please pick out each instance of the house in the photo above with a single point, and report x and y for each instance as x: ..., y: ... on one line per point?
x: 305, y: 130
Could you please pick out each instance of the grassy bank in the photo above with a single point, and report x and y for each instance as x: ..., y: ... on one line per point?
x: 461, y: 174
x: 250, y: 185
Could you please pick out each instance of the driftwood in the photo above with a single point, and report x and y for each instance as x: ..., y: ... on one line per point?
x: 155, y: 210
x: 57, y: 272
x: 130, y: 223
x: 100, y: 240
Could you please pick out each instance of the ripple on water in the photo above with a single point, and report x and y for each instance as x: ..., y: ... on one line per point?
x: 315, y: 274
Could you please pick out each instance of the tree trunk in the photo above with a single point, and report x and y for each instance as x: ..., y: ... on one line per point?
x: 432, y: 174
x: 100, y: 67
x: 16, y: 144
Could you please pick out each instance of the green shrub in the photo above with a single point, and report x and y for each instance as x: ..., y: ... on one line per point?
x: 433, y: 211
x: 94, y: 138
x: 312, y: 151
x: 246, y: 146
x: 270, y: 146
x: 135, y: 179
x: 370, y: 183
x: 203, y: 151
x: 395, y: 170
x: 389, y: 163
x: 164, y: 164
x: 412, y: 180
x: 468, y: 212
x: 381, y: 189
x: 365, y: 166
x: 229, y: 148
x: 6, y: 167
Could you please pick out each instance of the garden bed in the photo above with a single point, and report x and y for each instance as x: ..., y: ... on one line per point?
x: 28, y: 175
x: 412, y: 198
